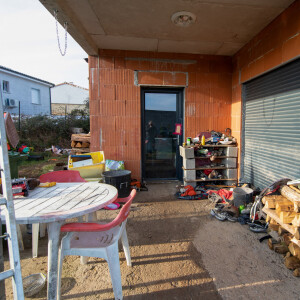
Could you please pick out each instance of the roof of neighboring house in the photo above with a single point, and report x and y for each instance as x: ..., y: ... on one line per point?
x: 7, y: 70
x: 70, y: 83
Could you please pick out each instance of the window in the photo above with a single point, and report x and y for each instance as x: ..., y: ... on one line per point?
x: 35, y: 96
x: 5, y: 86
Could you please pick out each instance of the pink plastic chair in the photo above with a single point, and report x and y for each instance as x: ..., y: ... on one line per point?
x: 122, y: 200
x: 62, y: 176
x: 99, y: 240
x: 55, y: 176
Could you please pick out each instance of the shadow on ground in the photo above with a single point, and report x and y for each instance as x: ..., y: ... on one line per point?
x: 166, y: 265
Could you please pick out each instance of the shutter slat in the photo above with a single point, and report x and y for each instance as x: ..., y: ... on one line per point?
x: 272, y: 126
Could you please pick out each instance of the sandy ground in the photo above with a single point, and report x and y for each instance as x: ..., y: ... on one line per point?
x: 178, y: 252
x: 242, y: 267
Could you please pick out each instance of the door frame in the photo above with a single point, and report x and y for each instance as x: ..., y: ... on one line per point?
x: 180, y: 112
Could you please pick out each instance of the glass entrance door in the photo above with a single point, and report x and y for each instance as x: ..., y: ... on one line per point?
x: 162, y: 109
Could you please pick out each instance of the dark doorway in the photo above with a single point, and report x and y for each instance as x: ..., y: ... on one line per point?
x: 161, y: 109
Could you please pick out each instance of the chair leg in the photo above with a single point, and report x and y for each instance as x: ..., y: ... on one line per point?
x: 126, y: 247
x: 60, y: 263
x: 83, y: 259
x: 114, y: 269
x: 20, y: 237
x: 35, y: 239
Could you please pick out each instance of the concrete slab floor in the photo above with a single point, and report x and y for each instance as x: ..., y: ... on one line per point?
x: 173, y: 243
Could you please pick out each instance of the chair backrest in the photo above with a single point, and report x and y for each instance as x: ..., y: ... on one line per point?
x: 125, y: 210
x: 92, y: 227
x: 62, y: 176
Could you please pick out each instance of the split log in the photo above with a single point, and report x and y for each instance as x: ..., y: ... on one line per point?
x: 296, y: 221
x: 294, y: 188
x: 272, y: 243
x: 294, y: 249
x: 80, y: 150
x: 292, y: 262
x: 286, y: 217
x: 270, y: 201
x: 284, y: 207
x: 78, y: 145
x: 274, y: 225
x: 296, y: 208
x: 81, y: 137
x: 273, y: 215
x: 287, y: 238
x: 73, y: 143
x: 281, y: 249
x: 290, y: 194
x: 297, y: 272
x: 282, y: 231
x: 85, y: 145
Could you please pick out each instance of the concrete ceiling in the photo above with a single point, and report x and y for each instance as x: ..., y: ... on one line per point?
x: 222, y: 27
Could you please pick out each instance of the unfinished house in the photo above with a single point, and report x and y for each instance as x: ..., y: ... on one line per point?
x: 201, y: 64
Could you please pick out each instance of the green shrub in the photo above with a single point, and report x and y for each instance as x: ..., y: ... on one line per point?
x: 42, y: 132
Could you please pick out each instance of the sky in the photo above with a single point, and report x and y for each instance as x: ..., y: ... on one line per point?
x: 28, y: 44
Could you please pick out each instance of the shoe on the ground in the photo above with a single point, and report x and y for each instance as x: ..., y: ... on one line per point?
x: 218, y: 215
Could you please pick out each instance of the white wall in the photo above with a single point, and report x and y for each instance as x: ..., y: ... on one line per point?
x: 68, y: 94
x: 20, y: 90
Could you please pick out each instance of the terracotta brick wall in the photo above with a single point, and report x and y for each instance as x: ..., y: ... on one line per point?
x: 115, y: 104
x: 276, y: 44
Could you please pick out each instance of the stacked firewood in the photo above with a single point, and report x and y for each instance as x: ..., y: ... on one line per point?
x: 283, y: 215
x: 80, y: 142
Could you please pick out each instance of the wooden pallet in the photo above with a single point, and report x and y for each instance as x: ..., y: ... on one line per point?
x: 81, y: 150
x: 80, y: 142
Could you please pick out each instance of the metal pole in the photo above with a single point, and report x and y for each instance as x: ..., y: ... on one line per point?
x: 2, y: 282
x: 19, y: 117
x: 65, y: 115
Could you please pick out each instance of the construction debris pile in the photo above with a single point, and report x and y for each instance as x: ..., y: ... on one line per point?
x: 283, y: 215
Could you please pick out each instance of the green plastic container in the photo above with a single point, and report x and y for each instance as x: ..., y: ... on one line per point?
x: 15, y: 159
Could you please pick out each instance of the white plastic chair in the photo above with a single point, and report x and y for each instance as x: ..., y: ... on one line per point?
x: 98, y: 240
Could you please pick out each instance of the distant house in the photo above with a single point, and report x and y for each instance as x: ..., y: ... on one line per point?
x: 29, y: 94
x: 66, y: 97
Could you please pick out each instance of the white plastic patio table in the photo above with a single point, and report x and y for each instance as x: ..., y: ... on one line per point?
x: 56, y: 204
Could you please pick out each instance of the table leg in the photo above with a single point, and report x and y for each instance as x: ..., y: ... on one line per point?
x: 20, y: 237
x: 35, y: 239
x: 53, y: 247
x: 92, y: 217
x: 42, y: 230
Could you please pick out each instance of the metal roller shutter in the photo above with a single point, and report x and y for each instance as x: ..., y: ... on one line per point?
x: 271, y: 126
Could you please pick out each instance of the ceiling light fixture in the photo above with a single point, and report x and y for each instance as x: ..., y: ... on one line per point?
x: 183, y: 18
